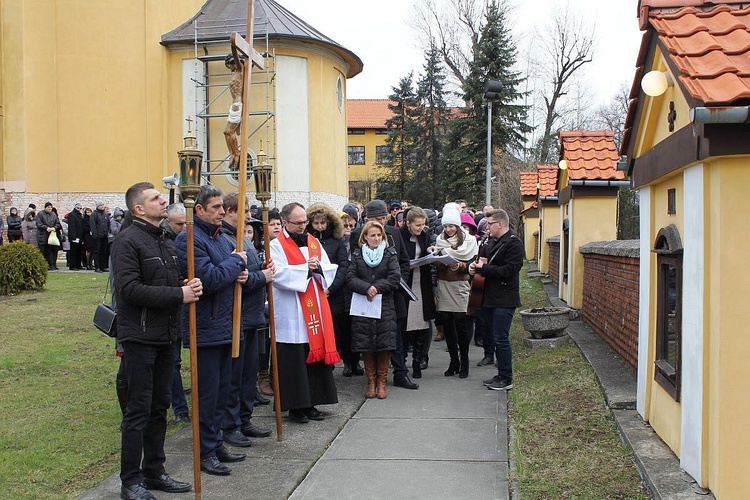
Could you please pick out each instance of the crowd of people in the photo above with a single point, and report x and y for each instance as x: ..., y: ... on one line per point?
x: 83, y: 234
x: 360, y: 287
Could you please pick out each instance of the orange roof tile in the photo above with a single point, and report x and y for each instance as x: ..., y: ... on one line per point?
x: 709, y: 44
x: 547, y: 179
x: 367, y: 113
x: 590, y: 155
x: 529, y: 181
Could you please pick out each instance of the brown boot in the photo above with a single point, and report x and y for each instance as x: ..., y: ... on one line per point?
x: 371, y: 372
x: 264, y: 383
x: 384, y: 361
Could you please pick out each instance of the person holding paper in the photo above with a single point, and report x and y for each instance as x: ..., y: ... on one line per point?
x: 374, y: 271
x: 453, y: 289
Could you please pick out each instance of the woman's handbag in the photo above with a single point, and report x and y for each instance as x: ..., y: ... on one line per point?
x: 53, y: 240
x: 105, y: 317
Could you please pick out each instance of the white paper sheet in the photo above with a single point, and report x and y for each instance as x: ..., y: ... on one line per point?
x: 364, y: 308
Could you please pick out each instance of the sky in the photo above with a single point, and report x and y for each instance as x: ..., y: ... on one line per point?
x: 380, y: 34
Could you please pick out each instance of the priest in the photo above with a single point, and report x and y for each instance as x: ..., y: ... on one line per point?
x: 306, y: 345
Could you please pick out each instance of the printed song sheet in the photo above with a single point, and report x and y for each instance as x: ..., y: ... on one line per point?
x: 364, y: 308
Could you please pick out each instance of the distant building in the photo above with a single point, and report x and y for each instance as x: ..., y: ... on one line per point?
x: 367, y: 149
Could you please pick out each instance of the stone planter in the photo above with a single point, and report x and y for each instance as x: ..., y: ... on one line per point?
x: 545, y: 322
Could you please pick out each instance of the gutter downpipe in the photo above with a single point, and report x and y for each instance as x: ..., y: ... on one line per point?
x: 727, y: 114
x: 548, y: 198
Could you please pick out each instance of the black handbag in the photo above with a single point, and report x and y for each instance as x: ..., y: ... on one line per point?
x: 105, y: 318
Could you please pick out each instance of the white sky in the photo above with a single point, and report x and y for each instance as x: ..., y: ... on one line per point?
x: 379, y: 34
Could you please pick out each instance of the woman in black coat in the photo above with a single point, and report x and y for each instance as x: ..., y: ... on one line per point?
x: 422, y: 281
x: 87, y: 256
x: 14, y: 226
x: 374, y: 270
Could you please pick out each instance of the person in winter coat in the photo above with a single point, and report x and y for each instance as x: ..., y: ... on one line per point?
x: 374, y: 270
x: 46, y: 223
x: 28, y: 227
x: 324, y: 224
x: 421, y: 311
x: 89, y: 244
x: 453, y: 289
x: 99, y: 224
x: 14, y: 222
x: 115, y: 224
x: 75, y: 236
x: 218, y: 268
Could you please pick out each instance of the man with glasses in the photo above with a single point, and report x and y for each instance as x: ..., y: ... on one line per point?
x: 504, y: 257
x: 377, y: 211
x: 306, y: 345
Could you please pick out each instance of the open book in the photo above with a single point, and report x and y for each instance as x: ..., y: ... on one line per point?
x: 430, y: 258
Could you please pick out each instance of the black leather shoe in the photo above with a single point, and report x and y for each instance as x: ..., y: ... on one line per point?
x: 225, y: 455
x: 313, y: 413
x: 253, y: 431
x: 298, y: 416
x: 424, y: 363
x: 236, y: 438
x: 166, y: 483
x: 211, y: 465
x: 136, y: 492
x: 357, y: 369
x: 347, y: 370
x: 486, y: 361
x: 406, y: 383
x: 182, y: 418
x: 260, y: 399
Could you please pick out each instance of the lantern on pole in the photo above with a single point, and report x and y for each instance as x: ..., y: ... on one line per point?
x: 262, y: 172
x: 191, y: 161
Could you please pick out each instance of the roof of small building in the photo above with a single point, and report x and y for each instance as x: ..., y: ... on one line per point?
x: 590, y: 155
x: 529, y: 181
x: 218, y: 19
x: 530, y: 207
x: 547, y: 179
x: 367, y: 113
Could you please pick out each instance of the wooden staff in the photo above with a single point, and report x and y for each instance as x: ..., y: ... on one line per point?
x: 272, y: 328
x: 193, y: 333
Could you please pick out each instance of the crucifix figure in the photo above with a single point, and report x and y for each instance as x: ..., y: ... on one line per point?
x: 232, y: 128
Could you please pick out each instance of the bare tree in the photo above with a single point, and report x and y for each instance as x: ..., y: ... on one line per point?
x: 454, y: 25
x: 612, y: 116
x: 568, y: 45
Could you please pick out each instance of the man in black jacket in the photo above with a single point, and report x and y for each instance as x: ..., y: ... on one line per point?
x: 377, y: 211
x: 148, y: 290
x: 504, y: 253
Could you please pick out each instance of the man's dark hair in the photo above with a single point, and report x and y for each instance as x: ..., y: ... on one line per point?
x: 232, y: 202
x: 207, y: 192
x: 286, y: 210
x: 134, y: 194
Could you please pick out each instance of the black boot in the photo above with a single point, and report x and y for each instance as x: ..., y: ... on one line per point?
x: 464, y: 339
x: 452, y: 368
x: 416, y: 354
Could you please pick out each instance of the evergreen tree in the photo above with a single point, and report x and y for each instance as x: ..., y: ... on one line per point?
x: 494, y: 58
x: 402, y: 128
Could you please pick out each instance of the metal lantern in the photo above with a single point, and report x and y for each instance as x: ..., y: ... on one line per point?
x: 191, y: 161
x: 262, y: 174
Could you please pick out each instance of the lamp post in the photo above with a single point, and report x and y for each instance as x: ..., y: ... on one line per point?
x: 262, y: 172
x: 492, y: 90
x: 191, y: 160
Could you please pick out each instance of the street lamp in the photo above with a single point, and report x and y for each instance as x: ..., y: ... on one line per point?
x: 492, y: 89
x: 262, y: 172
x: 191, y: 160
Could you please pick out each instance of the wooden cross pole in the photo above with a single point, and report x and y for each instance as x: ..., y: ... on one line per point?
x: 243, y: 46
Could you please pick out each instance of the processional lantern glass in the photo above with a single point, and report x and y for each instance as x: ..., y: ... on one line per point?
x: 191, y: 160
x: 262, y: 171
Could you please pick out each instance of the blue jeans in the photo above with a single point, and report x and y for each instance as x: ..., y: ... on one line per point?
x: 498, y: 321
x: 179, y: 404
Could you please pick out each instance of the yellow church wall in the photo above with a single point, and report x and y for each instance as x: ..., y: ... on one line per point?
x: 87, y: 92
x: 591, y: 219
x: 663, y: 412
x: 726, y: 338
x: 549, y: 214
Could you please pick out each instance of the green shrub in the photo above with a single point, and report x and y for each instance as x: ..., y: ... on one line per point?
x: 22, y: 267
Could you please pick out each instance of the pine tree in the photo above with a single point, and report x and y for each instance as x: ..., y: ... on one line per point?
x: 402, y: 128
x: 494, y: 58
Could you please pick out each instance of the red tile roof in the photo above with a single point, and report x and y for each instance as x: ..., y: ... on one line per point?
x: 367, y: 113
x: 709, y: 45
x: 529, y: 181
x: 547, y: 179
x: 590, y: 155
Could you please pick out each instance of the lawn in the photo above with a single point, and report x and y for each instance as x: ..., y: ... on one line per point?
x: 59, y: 417
x: 566, y: 443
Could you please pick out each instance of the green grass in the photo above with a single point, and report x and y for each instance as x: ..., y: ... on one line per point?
x: 566, y: 443
x: 59, y: 417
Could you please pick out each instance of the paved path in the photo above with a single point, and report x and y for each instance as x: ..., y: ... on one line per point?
x: 446, y: 440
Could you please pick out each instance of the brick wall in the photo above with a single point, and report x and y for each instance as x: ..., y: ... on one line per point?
x: 554, y: 259
x: 610, y: 294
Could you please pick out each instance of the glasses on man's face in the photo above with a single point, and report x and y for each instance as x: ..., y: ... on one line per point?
x: 349, y: 225
x: 298, y: 223
x: 489, y: 223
